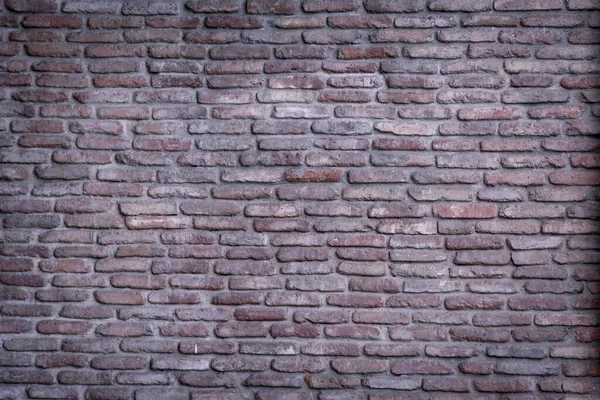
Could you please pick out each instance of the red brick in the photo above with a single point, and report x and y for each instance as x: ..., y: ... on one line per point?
x: 489, y: 113
x: 36, y: 6
x: 234, y: 22
x: 358, y: 53
x: 38, y: 21
x: 270, y: 7
x: 330, y: 6
x: 310, y: 22
x: 464, y: 211
x: 247, y: 232
x: 149, y: 8
x: 350, y: 366
x: 516, y: 385
x: 9, y: 376
x: 420, y: 367
x: 297, y: 364
x: 181, y: 51
x: 239, y: 364
x: 480, y: 335
x: 53, y: 327
x: 556, y: 112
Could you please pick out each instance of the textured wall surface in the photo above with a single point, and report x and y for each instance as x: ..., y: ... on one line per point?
x: 299, y: 200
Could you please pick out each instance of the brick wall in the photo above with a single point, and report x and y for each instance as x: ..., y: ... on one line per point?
x: 318, y: 199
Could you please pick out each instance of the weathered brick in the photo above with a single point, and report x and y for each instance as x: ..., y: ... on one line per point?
x: 350, y: 366
x: 359, y: 53
x: 330, y: 6
x: 247, y: 232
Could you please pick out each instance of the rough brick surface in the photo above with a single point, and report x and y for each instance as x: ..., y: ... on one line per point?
x: 299, y: 199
